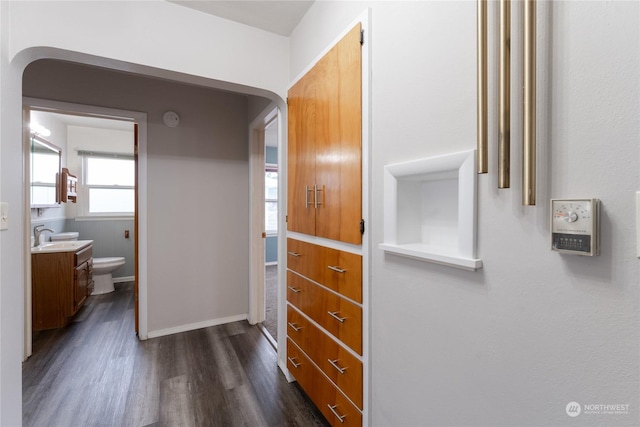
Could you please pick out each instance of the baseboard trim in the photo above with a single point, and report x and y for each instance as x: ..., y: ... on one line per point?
x: 124, y: 279
x: 194, y: 326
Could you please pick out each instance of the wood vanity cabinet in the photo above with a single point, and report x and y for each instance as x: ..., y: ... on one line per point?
x: 61, y: 283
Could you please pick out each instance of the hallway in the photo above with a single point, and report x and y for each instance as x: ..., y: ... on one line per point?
x: 95, y: 372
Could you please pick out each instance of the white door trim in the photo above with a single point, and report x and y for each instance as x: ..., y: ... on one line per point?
x: 256, y: 213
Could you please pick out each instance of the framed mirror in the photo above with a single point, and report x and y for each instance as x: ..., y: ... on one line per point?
x: 46, y: 163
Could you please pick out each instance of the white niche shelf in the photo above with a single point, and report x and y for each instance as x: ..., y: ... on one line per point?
x: 430, y: 210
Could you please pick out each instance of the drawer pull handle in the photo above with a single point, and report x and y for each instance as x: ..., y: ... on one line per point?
x: 335, y: 365
x: 295, y: 290
x: 338, y: 416
x: 293, y: 362
x: 296, y: 254
x: 334, y: 314
x: 339, y: 270
x: 294, y: 327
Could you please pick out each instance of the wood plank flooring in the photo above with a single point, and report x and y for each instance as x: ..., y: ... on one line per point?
x: 95, y: 372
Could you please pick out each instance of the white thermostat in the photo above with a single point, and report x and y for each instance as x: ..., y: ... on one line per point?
x: 575, y: 227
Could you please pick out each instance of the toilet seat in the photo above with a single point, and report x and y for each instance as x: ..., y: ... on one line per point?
x: 106, y: 261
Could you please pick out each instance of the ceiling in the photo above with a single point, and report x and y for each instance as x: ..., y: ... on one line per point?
x: 91, y: 122
x: 275, y: 16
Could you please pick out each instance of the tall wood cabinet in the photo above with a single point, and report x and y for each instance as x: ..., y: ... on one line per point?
x: 324, y: 210
x: 325, y: 146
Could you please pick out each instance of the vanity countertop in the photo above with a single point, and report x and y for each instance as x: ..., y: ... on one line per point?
x: 66, y: 246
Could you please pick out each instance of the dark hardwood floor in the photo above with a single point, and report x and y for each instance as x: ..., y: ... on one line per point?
x: 95, y: 372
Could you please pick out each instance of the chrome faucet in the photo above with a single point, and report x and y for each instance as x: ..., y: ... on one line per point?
x: 36, y: 234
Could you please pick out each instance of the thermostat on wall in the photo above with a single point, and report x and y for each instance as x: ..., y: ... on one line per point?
x: 575, y: 227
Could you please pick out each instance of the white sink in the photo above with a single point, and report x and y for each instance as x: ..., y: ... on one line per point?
x: 70, y: 246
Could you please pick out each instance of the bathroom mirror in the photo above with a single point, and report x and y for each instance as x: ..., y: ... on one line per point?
x: 46, y: 161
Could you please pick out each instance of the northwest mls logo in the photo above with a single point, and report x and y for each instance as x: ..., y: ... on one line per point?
x: 573, y: 409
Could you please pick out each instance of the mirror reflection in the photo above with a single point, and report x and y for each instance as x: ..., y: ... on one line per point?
x: 45, y: 168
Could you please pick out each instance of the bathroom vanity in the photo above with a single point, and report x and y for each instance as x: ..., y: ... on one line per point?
x: 61, y: 281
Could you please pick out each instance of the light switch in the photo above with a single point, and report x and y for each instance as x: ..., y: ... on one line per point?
x: 4, y: 216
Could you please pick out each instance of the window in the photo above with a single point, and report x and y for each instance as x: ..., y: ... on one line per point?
x: 271, y: 199
x: 110, y: 184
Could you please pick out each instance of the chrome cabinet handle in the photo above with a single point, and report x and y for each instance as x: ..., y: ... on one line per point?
x: 316, y: 189
x: 334, y: 314
x: 335, y: 365
x: 339, y: 270
x: 295, y: 365
x: 338, y: 416
x: 295, y: 290
x: 295, y: 254
x: 293, y: 326
x: 306, y: 196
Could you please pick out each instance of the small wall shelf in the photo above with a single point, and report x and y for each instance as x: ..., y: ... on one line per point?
x: 69, y: 187
x: 430, y: 210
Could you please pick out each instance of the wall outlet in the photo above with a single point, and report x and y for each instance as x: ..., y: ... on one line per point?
x: 4, y: 216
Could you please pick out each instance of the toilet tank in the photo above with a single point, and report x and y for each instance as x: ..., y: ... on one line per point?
x: 69, y: 235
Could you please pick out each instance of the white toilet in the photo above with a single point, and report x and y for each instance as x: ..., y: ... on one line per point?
x: 102, y: 267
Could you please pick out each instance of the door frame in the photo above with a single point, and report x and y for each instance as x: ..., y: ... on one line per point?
x: 140, y: 235
x: 256, y: 212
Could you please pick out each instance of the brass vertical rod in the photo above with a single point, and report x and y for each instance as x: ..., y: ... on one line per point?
x: 529, y: 107
x: 504, y: 97
x: 482, y: 87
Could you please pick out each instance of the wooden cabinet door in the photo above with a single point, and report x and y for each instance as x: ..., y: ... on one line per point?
x: 339, y: 141
x: 80, y: 286
x: 301, y: 202
x: 325, y: 145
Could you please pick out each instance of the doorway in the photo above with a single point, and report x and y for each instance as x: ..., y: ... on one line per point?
x: 271, y: 209
x: 95, y: 137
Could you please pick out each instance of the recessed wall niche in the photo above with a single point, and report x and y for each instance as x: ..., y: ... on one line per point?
x: 430, y: 210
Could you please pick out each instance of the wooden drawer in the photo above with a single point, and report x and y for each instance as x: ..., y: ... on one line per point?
x: 84, y: 254
x: 337, y: 270
x: 335, y: 407
x: 342, y: 367
x: 337, y: 315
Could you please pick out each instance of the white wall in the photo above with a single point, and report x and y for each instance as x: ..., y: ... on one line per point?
x: 513, y: 343
x: 197, y: 187
x: 154, y: 33
x: 155, y: 38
